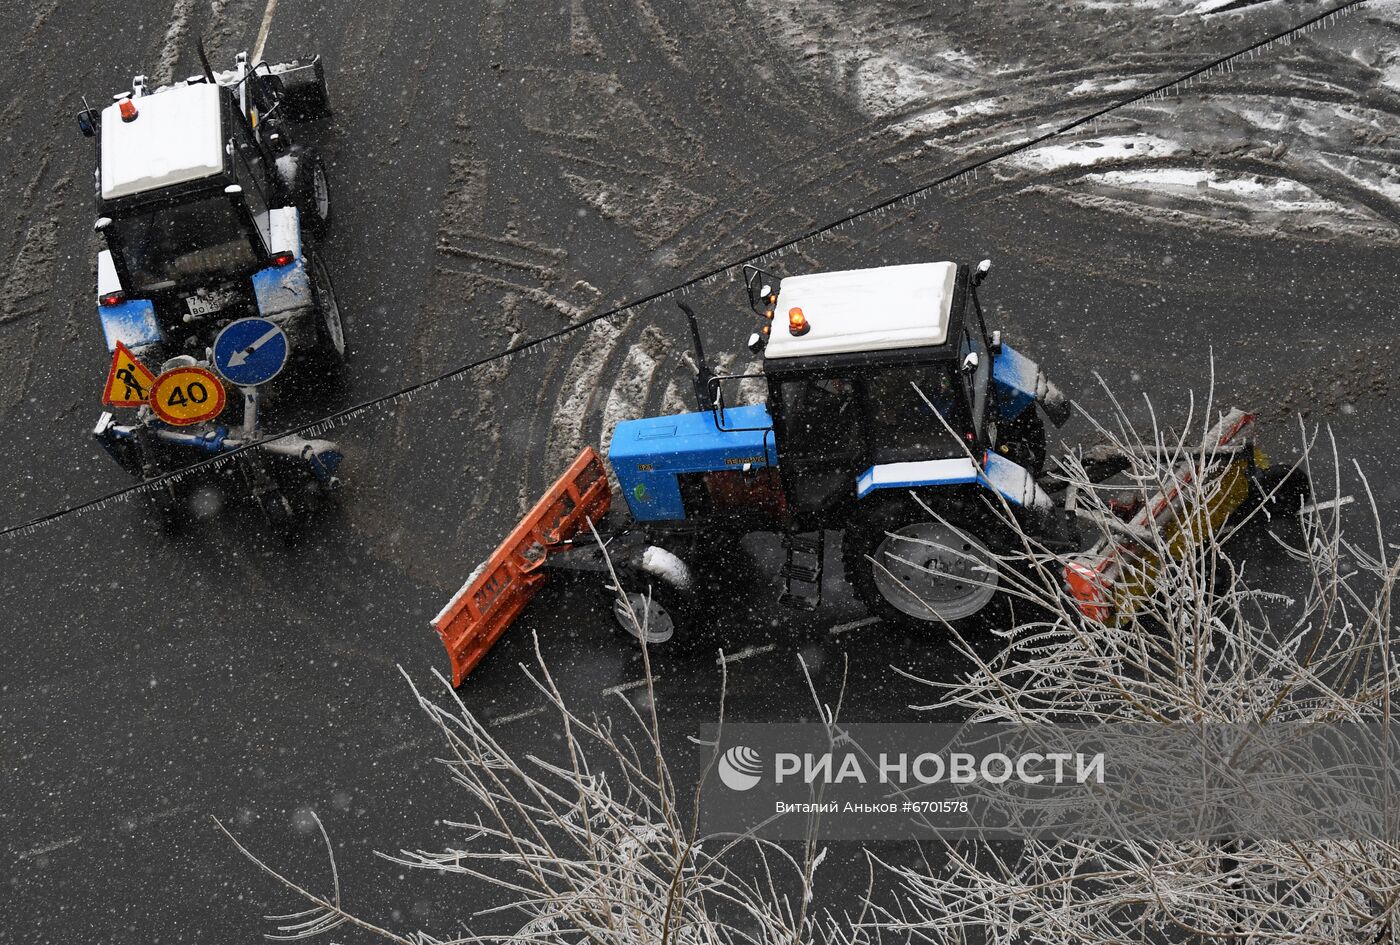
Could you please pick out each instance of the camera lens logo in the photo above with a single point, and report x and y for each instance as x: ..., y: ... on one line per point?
x: 739, y: 768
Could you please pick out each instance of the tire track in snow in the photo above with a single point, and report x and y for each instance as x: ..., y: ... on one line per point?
x: 636, y: 378
x: 574, y: 404
x: 173, y: 43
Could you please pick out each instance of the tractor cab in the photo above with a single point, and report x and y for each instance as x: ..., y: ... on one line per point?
x: 870, y: 367
x: 184, y: 195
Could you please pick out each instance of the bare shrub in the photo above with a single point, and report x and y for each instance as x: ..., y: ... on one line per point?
x: 1201, y: 642
x: 594, y: 846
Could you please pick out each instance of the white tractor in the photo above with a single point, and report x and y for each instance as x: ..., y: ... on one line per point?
x: 210, y: 212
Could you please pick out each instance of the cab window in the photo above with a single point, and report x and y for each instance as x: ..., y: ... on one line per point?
x: 902, y: 402
x: 820, y: 416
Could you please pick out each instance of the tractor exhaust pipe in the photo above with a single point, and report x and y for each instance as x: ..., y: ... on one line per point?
x: 703, y: 374
x: 204, y: 60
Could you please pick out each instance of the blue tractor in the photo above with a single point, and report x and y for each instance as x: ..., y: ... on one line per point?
x: 882, y: 385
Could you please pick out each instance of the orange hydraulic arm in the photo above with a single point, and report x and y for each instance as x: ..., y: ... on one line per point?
x: 499, y: 590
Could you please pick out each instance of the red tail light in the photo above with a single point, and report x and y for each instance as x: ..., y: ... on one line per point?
x: 284, y: 258
x: 111, y: 298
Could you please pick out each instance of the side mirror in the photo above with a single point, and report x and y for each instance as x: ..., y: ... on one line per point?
x: 980, y: 275
x: 87, y: 122
x: 762, y: 288
x: 970, y: 363
x: 995, y: 346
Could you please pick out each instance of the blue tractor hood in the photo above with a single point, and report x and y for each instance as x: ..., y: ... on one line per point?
x: 649, y: 455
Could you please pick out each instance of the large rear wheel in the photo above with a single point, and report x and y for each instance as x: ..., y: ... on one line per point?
x: 917, y: 572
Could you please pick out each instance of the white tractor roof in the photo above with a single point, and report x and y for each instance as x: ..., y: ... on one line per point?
x: 865, y: 310
x: 176, y: 137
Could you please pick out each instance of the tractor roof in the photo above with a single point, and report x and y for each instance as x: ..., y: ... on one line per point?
x: 176, y: 137
x: 859, y: 310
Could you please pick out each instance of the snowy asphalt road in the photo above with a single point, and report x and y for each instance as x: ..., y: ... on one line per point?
x: 498, y: 172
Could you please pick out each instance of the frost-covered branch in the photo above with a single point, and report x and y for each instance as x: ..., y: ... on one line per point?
x: 1198, y: 635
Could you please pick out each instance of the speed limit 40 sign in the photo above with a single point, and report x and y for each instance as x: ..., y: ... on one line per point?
x: 187, y: 395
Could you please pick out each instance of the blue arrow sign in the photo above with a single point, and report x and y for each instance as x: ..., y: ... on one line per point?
x: 251, y: 351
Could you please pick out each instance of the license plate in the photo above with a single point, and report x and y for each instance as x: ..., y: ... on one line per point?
x: 201, y: 305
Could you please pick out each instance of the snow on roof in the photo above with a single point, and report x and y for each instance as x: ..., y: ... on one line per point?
x: 865, y: 310
x: 176, y: 137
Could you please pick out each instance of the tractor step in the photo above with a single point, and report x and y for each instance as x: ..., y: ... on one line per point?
x: 802, y: 579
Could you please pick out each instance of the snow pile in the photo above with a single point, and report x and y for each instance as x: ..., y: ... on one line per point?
x: 1056, y: 155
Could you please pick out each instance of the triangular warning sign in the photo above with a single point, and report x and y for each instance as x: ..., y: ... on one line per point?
x: 129, y: 382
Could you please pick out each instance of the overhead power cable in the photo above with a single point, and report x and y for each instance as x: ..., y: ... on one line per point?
x: 1221, y: 64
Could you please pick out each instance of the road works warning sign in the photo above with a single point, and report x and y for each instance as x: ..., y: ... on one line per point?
x: 129, y: 382
x: 187, y: 395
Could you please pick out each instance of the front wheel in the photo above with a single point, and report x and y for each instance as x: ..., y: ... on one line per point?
x: 330, y: 328
x: 648, y: 616
x: 917, y: 572
x: 658, y: 597
x: 1022, y: 440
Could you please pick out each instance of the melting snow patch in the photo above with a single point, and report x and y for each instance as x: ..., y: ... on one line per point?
x: 1093, y: 85
x: 885, y: 85
x: 1390, y: 76
x: 1265, y: 193
x: 1213, y: 6
x: 1087, y: 152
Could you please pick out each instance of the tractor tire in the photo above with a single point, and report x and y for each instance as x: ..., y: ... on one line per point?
x: 330, y: 349
x: 662, y: 607
x: 311, y: 192
x: 916, y: 586
x: 1022, y: 440
x: 279, y: 513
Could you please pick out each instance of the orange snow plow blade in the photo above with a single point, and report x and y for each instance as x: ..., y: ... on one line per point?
x: 499, y: 590
x: 1107, y: 580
